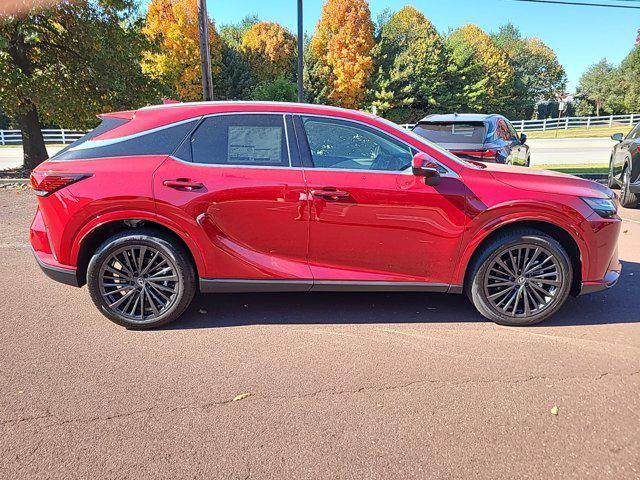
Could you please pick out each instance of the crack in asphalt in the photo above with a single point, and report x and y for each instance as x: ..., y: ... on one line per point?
x: 322, y: 392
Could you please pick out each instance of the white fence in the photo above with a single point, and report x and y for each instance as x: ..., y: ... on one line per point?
x: 565, y: 123
x: 59, y: 136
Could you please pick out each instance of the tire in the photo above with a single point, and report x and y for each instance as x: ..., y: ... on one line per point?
x: 528, y: 162
x: 611, y: 181
x: 116, y: 279
x: 627, y: 198
x: 481, y: 286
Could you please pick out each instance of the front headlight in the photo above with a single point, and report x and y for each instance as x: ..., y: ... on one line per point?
x: 605, y: 207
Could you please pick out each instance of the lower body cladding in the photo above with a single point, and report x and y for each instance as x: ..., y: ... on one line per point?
x: 223, y: 285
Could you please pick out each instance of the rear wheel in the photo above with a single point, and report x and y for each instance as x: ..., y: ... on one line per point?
x: 141, y: 279
x: 521, y: 278
x: 627, y: 198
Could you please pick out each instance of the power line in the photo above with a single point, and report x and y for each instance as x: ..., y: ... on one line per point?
x: 583, y: 4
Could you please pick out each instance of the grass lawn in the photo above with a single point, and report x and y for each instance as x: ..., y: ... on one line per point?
x: 579, y: 168
x: 579, y: 132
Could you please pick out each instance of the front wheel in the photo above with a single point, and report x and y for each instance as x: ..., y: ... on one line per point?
x: 522, y: 277
x: 141, y: 279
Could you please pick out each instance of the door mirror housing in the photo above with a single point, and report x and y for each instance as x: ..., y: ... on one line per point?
x: 423, y: 165
x: 617, y: 137
x: 523, y: 138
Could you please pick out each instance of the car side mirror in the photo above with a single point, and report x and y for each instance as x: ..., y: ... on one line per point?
x: 423, y: 165
x: 617, y: 137
x: 523, y: 138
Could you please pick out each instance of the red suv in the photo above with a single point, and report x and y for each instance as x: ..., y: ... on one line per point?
x: 156, y: 204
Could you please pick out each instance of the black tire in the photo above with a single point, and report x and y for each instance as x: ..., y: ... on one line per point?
x: 611, y: 181
x: 479, y: 288
x: 160, y: 251
x: 627, y: 198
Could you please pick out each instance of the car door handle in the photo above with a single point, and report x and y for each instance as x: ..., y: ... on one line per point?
x: 330, y: 193
x: 183, y: 183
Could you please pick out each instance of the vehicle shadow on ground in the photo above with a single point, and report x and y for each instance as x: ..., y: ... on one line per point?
x: 233, y: 310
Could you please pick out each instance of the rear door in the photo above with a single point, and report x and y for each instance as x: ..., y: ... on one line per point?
x: 236, y: 187
x: 371, y: 219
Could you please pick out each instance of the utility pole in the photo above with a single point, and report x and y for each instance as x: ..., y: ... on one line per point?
x: 300, y: 54
x: 205, y: 53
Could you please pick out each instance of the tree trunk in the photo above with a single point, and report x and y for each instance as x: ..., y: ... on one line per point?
x: 35, y: 151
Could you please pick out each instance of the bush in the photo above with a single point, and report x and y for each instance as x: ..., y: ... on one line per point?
x: 279, y: 90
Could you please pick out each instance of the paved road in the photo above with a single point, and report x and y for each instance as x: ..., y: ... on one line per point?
x: 11, y: 157
x: 570, y: 151
x: 543, y: 152
x: 342, y: 385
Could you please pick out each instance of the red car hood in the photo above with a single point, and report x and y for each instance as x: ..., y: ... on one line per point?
x: 547, y: 181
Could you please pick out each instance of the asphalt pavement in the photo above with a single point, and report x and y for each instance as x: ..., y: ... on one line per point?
x: 339, y: 385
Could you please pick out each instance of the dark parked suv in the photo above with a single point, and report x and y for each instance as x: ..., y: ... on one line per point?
x: 488, y: 138
x: 624, y: 167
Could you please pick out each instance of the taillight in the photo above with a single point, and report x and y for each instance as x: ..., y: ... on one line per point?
x: 45, y: 183
x: 485, y: 154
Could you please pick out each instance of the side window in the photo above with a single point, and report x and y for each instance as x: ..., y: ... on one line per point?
x: 342, y: 144
x: 512, y: 131
x: 633, y: 133
x: 252, y: 140
x: 502, y: 131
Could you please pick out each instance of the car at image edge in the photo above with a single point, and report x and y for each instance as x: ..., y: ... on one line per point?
x: 156, y: 204
x: 480, y: 137
x: 624, y: 167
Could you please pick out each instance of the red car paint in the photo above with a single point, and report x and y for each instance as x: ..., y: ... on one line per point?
x: 316, y: 224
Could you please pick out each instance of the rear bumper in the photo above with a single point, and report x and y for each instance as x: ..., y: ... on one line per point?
x: 59, y: 274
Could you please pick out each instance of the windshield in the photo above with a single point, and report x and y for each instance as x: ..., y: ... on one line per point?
x: 429, y: 143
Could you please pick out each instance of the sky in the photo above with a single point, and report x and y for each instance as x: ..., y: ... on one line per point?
x: 580, y: 36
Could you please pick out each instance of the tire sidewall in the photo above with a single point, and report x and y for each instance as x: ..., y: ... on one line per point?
x: 184, y: 271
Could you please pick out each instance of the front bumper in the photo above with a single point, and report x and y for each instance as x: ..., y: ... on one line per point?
x: 610, y: 279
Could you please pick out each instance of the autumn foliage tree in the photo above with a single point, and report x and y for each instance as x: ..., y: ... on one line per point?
x: 484, y: 76
x: 271, y: 51
x: 341, y: 50
x: 173, y: 27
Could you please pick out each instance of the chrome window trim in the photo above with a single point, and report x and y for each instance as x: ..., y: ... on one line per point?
x: 112, y: 141
x: 407, y: 171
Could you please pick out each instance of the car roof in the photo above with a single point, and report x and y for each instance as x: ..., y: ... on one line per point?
x: 459, y: 117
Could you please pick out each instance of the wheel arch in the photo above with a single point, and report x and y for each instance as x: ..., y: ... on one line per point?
x: 563, y: 236
x: 93, y: 237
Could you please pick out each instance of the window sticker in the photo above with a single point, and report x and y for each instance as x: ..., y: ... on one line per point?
x: 258, y: 145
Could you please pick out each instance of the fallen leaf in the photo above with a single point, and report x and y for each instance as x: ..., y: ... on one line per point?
x: 202, y: 311
x: 242, y: 396
x: 554, y: 410
x: 626, y: 231
x: 20, y: 392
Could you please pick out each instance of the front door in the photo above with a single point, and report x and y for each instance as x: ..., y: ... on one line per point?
x: 371, y: 219
x: 239, y: 190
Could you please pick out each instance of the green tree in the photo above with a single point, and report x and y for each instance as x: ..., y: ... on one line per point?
x: 281, y: 89
x: 66, y: 64
x: 598, y: 86
x: 538, y: 75
x: 483, y: 70
x: 411, y: 65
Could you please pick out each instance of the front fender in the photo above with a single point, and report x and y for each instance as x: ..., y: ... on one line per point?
x: 509, y: 214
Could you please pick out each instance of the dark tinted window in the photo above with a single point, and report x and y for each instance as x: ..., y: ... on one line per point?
x: 452, y: 132
x: 161, y: 141
x: 348, y: 145
x: 107, y: 124
x: 255, y: 140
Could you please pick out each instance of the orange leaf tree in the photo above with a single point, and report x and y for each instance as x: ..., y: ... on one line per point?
x: 173, y: 27
x: 271, y: 51
x: 341, y: 51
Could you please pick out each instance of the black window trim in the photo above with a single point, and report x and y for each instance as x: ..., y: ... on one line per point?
x: 202, y: 118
